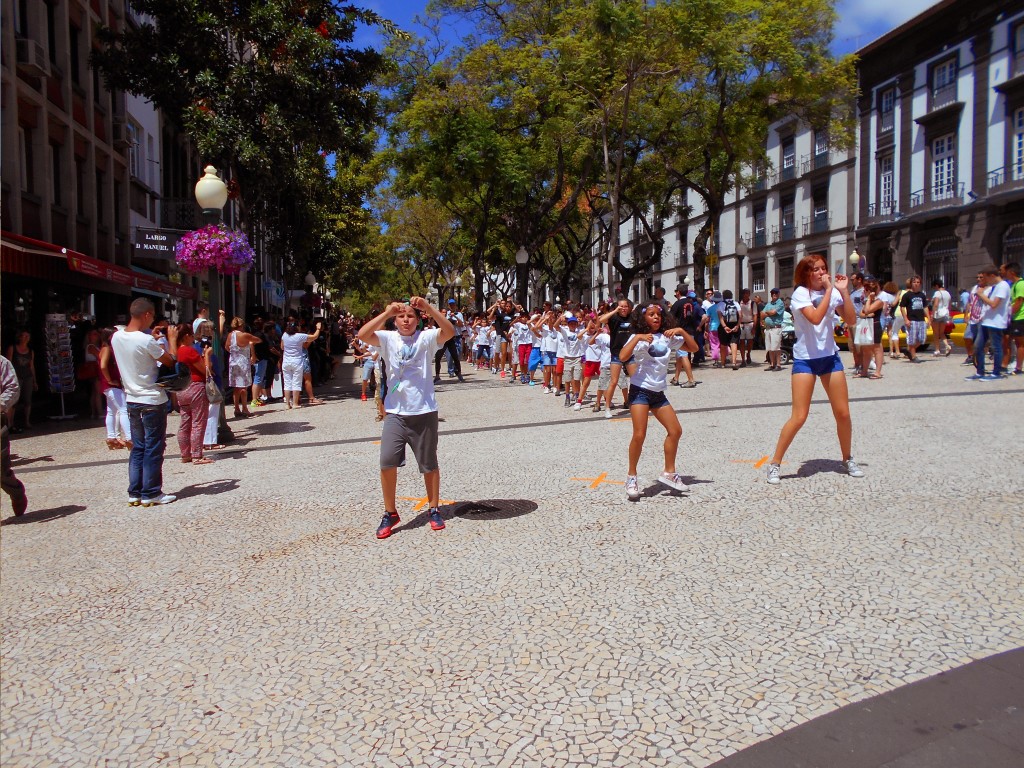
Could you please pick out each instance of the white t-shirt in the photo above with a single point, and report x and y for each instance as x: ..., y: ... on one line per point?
x: 940, y: 309
x: 548, y: 339
x: 294, y: 349
x: 857, y: 297
x: 136, y: 354
x: 993, y: 317
x: 814, y: 341
x: 409, y: 361
x: 521, y: 334
x: 652, y: 361
x: 596, y: 352
x: 571, y: 343
x: 483, y: 336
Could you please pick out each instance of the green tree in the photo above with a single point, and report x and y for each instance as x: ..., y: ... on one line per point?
x: 262, y: 87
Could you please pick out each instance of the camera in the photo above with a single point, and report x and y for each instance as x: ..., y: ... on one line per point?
x: 205, y: 342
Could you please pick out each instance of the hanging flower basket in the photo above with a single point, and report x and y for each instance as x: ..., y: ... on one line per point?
x: 214, y: 247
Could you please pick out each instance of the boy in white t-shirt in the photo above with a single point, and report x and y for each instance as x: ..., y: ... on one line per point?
x: 409, y: 402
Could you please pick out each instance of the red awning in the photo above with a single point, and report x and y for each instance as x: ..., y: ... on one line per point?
x: 17, y: 248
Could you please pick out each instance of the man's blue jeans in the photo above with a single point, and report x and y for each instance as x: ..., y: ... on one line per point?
x: 146, y: 462
x: 994, y: 336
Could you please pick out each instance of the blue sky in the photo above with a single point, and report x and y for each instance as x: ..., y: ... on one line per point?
x: 860, y: 21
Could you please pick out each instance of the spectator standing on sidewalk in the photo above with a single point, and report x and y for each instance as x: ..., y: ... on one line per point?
x: 749, y: 316
x: 10, y: 389
x: 994, y: 295
x: 409, y: 402
x: 917, y: 313
x: 193, y: 402
x: 23, y: 358
x: 940, y: 316
x: 772, y: 319
x: 139, y: 356
x: 1015, y: 329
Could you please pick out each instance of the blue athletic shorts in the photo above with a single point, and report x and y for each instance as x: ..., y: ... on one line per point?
x: 819, y: 366
x: 535, y: 357
x: 639, y: 396
x: 549, y: 358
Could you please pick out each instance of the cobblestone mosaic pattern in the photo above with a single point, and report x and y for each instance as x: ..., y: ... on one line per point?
x: 257, y: 621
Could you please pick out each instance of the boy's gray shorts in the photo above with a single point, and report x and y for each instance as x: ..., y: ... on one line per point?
x: 420, y: 432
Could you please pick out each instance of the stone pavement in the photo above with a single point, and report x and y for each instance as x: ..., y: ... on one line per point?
x: 257, y: 621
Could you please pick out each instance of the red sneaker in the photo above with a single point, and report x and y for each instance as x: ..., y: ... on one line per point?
x: 387, y: 523
x: 363, y: 398
x: 436, y: 521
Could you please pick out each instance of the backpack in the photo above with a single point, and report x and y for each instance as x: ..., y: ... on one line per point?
x: 730, y: 313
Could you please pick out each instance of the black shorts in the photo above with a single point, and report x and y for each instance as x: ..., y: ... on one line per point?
x: 725, y: 338
x: 1016, y: 329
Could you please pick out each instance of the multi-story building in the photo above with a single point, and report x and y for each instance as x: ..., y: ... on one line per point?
x: 941, y: 143
x: 935, y: 186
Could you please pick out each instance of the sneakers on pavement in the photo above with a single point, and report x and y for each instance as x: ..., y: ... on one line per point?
x: 436, y: 521
x: 773, y: 474
x: 632, y: 488
x: 688, y: 384
x: 673, y: 481
x: 165, y: 499
x: 134, y: 501
x: 578, y: 406
x: 389, y: 521
x: 608, y: 414
x: 993, y: 377
x: 974, y: 377
x: 852, y: 469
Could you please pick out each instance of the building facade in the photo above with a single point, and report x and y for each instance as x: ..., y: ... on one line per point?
x: 941, y: 143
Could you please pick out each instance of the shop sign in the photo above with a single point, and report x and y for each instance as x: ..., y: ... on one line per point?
x: 156, y: 243
x: 107, y: 271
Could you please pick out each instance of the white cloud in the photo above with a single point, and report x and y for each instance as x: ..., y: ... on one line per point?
x: 861, y: 21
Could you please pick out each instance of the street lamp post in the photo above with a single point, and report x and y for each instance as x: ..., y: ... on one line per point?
x: 458, y: 291
x: 212, y: 194
x: 854, y: 261
x: 522, y: 275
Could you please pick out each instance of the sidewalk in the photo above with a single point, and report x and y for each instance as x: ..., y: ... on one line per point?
x: 970, y: 717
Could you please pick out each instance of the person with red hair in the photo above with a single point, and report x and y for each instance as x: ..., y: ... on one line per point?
x: 816, y: 298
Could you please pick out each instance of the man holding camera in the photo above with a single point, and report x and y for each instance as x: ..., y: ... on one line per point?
x: 139, y: 357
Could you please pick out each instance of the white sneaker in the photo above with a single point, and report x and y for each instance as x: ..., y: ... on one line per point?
x: 852, y: 469
x: 608, y: 414
x: 578, y: 406
x: 546, y: 391
x: 773, y: 474
x: 632, y: 488
x: 673, y: 481
x: 134, y: 501
x: 165, y: 499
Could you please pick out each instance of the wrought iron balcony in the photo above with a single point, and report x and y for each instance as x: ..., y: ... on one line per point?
x: 788, y: 172
x: 760, y: 239
x: 820, y: 223
x: 1006, y: 179
x: 886, y: 121
x: 942, y: 97
x: 813, y: 162
x: 939, y: 196
x: 180, y: 213
x: 785, y: 232
x: 1018, y: 63
x: 886, y: 210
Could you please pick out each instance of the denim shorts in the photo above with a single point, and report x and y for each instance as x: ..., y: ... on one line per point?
x: 617, y: 361
x: 639, y: 396
x: 549, y: 358
x: 819, y: 366
x: 261, y: 371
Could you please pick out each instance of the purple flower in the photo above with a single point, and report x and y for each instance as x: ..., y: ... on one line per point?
x: 214, y: 247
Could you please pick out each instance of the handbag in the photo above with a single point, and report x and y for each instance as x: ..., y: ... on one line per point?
x: 213, y: 393
x: 864, y: 333
x: 174, y: 378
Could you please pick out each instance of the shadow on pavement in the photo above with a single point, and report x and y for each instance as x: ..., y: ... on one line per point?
x: 491, y: 509
x: 211, y: 488
x: 820, y: 466
x: 19, y: 462
x: 44, y: 515
x: 280, y: 428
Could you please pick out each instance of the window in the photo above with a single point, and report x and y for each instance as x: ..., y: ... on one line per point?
x: 944, y: 167
x: 151, y: 164
x: 134, y: 148
x: 117, y: 207
x: 943, y: 83
x: 55, y: 171
x: 74, y: 57
x: 788, y: 159
x: 21, y: 18
x: 820, y: 142
x: 786, y: 271
x: 760, y: 225
x: 97, y: 86
x: 51, y: 31
x: 887, y: 110
x: 1018, y: 49
x: 940, y: 261
x: 886, y: 186
x: 80, y: 185
x: 26, y: 160
x: 788, y: 216
x: 1017, y: 145
x: 101, y: 191
x: 820, y: 222
x: 757, y: 275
